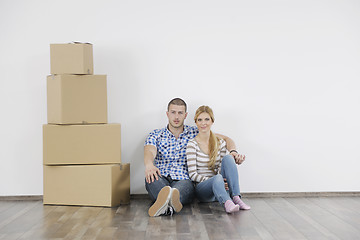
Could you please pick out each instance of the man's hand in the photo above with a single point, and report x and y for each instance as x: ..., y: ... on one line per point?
x: 151, y: 173
x: 239, y: 159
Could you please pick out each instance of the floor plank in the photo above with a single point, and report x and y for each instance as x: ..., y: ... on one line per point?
x: 304, y: 224
x: 274, y: 223
x: 249, y: 227
x: 320, y: 218
x: 6, y: 205
x: 340, y: 210
x: 16, y: 212
x: 324, y: 217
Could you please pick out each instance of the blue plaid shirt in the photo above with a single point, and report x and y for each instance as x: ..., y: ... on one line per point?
x: 171, y: 152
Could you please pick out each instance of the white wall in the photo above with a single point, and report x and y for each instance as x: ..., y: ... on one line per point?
x: 281, y: 76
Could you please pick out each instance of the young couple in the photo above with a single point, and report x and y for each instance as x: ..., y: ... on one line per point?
x: 178, y: 155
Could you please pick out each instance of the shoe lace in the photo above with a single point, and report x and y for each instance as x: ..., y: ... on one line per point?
x: 169, y: 211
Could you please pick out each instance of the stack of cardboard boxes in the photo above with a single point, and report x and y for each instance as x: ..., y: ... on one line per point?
x: 81, y: 151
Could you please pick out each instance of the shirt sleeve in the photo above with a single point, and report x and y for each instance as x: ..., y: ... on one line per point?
x: 194, y: 131
x: 222, y: 148
x: 152, y: 138
x: 191, y: 162
x: 223, y: 151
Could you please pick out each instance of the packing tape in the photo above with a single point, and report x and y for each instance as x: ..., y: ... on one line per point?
x: 75, y: 42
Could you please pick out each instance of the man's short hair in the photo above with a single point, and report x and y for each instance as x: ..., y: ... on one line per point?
x: 177, y: 101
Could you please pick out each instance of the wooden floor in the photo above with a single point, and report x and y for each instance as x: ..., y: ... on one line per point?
x: 269, y: 218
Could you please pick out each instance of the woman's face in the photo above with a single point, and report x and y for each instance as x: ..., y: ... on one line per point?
x: 204, y: 122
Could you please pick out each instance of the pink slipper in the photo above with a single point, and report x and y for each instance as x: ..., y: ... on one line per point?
x: 243, y: 206
x: 230, y: 207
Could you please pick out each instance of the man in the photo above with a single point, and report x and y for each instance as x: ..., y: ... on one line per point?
x: 166, y: 174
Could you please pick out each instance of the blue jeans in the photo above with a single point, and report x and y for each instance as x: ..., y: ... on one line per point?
x: 214, y: 188
x: 185, y: 187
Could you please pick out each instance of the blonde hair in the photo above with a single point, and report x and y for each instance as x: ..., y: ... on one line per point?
x: 214, y: 141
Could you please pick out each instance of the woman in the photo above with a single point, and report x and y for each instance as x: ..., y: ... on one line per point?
x: 209, y: 165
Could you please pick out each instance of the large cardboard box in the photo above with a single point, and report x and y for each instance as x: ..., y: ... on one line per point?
x: 71, y: 58
x: 87, y: 185
x: 81, y: 144
x: 76, y: 99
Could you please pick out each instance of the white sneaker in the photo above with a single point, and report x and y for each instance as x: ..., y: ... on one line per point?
x: 161, y: 204
x: 175, y: 200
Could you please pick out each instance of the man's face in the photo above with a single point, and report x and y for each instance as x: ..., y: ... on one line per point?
x: 176, y: 115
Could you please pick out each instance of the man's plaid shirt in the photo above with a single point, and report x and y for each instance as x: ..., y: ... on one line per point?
x: 171, y: 152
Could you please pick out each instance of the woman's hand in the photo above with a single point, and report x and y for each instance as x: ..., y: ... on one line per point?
x: 239, y: 159
x: 226, y: 184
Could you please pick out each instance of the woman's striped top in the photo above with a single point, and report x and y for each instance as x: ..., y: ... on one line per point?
x: 198, y: 161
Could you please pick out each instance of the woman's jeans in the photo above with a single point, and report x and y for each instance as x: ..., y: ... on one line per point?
x: 214, y: 188
x: 185, y: 187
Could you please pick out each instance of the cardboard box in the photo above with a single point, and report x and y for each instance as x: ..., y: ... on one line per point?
x: 76, y: 99
x: 81, y: 144
x: 87, y: 185
x: 71, y: 58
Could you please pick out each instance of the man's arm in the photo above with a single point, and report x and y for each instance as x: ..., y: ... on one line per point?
x: 230, y: 145
x: 151, y: 172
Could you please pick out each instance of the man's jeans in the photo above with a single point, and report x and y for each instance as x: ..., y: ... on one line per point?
x: 185, y: 187
x: 214, y: 188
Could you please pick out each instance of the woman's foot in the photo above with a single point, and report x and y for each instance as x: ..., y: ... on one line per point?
x: 230, y: 207
x: 237, y: 200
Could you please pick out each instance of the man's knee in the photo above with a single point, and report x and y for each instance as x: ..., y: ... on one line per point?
x: 183, y: 185
x: 186, y: 189
x: 156, y: 181
x: 154, y: 187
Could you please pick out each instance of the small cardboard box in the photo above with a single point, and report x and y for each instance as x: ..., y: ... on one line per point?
x: 87, y: 185
x: 71, y: 58
x: 81, y: 144
x: 76, y: 99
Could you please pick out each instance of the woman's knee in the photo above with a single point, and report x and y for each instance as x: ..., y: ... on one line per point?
x: 218, y: 179
x: 228, y: 159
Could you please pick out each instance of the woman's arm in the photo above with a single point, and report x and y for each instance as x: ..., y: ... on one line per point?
x: 191, y: 162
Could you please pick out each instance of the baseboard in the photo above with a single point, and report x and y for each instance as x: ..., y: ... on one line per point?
x: 40, y: 197
x: 280, y: 194
x: 139, y: 196
x: 245, y: 195
x: 299, y: 194
x: 22, y: 198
